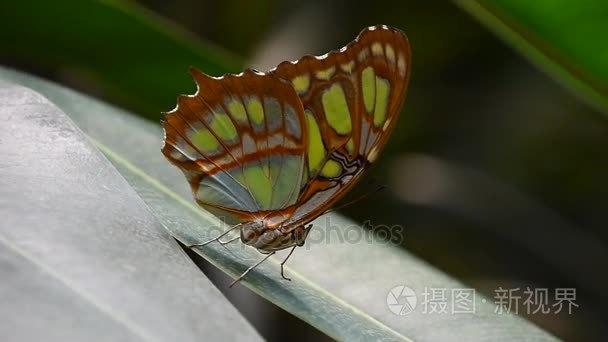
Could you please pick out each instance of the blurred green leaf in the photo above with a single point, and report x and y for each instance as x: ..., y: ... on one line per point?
x: 565, y: 38
x: 341, y: 279
x: 135, y: 56
x: 81, y: 256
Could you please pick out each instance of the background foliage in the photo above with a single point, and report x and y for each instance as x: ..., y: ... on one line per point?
x: 497, y: 170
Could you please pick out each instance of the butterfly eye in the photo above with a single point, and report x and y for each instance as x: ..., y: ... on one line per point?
x: 299, y: 234
x: 249, y: 233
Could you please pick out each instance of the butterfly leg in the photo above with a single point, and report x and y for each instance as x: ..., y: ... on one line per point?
x: 284, y: 261
x: 250, y: 268
x: 307, y: 230
x: 217, y: 238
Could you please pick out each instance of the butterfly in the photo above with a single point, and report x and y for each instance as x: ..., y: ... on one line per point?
x: 270, y: 152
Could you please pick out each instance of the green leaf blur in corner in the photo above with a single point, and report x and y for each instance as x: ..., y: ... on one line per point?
x: 565, y: 38
x: 129, y: 54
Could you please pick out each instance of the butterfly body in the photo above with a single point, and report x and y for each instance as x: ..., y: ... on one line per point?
x: 270, y: 152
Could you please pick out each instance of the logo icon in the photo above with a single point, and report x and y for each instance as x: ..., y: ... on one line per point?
x: 401, y: 300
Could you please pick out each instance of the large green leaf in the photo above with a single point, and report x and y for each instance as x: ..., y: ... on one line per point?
x: 81, y: 256
x: 339, y: 287
x: 565, y: 38
x: 134, y: 56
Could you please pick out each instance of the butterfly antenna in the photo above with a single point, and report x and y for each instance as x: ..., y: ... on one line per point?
x: 357, y: 199
x: 251, y: 268
x: 217, y: 238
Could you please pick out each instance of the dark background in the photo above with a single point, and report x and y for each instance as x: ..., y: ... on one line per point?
x: 495, y: 170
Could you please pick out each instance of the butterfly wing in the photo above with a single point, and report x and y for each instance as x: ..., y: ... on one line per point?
x: 240, y: 141
x: 351, y: 98
x: 297, y: 138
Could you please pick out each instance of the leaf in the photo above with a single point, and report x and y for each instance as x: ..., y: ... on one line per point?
x: 135, y: 56
x: 565, y: 38
x: 81, y: 256
x: 341, y: 288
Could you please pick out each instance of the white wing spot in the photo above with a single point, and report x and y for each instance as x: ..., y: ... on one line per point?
x: 348, y: 67
x: 401, y: 65
x: 373, y: 154
x: 386, y: 123
x: 326, y: 74
x: 322, y: 56
x: 377, y: 49
x: 363, y: 55
x: 390, y: 54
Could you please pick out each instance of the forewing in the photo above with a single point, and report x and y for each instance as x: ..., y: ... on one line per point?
x: 241, y: 142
